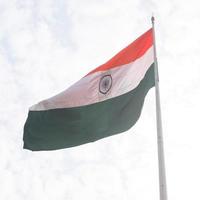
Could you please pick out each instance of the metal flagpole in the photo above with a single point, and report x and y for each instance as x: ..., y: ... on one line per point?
x: 161, y: 159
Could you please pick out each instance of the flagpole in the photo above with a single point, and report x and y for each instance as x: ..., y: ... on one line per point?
x: 161, y: 158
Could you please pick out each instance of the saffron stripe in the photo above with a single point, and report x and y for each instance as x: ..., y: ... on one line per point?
x: 129, y: 54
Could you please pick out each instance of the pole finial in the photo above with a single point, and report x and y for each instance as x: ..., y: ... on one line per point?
x: 152, y: 19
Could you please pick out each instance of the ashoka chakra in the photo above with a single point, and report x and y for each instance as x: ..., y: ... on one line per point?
x: 105, y: 84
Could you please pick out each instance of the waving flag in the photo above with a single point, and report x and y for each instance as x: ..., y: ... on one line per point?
x: 106, y: 101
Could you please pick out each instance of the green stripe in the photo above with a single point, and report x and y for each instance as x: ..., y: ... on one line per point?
x: 68, y: 127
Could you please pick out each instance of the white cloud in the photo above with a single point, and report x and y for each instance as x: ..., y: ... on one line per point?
x: 45, y: 46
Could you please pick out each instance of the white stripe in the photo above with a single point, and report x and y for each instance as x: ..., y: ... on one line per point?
x: 86, y: 91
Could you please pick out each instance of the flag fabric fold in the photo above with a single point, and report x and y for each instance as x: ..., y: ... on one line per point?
x: 105, y: 102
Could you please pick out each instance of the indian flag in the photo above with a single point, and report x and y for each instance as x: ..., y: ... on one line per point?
x: 105, y: 102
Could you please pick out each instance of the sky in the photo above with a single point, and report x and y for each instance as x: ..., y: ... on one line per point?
x: 46, y: 46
